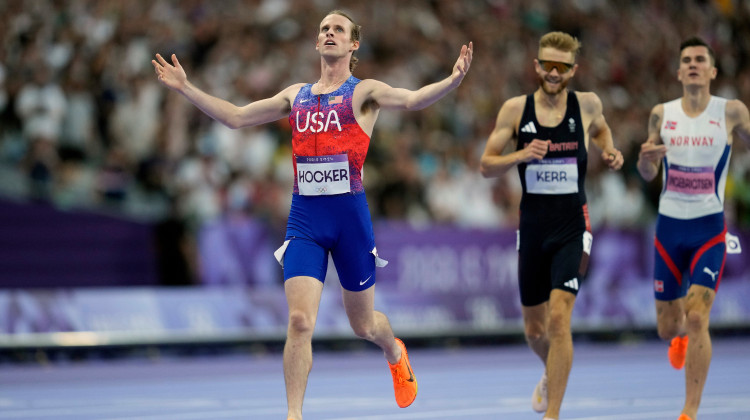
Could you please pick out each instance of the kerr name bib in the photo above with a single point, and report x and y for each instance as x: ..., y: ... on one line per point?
x: 552, y: 176
x: 323, y: 175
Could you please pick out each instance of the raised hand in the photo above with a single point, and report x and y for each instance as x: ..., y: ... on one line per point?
x: 463, y: 63
x: 171, y: 76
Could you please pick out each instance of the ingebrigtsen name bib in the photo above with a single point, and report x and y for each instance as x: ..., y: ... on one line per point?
x: 690, y: 181
x: 323, y: 175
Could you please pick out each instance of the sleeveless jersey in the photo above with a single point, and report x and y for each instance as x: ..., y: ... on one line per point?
x: 697, y: 160
x: 324, y: 125
x: 555, y: 183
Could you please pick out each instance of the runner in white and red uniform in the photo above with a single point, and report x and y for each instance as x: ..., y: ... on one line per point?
x: 692, y: 136
x: 332, y: 123
x: 690, y: 228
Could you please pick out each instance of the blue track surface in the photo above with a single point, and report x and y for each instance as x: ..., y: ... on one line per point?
x: 608, y: 381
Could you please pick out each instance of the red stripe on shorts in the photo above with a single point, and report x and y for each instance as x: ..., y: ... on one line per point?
x: 668, y: 261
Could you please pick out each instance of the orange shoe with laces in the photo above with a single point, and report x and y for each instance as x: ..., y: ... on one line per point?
x: 677, y: 351
x: 684, y: 417
x: 404, y: 382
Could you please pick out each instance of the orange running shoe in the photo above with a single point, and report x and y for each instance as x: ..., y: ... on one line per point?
x: 404, y: 382
x: 684, y: 417
x: 677, y: 351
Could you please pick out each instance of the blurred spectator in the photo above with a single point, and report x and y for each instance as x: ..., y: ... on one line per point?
x: 83, y: 124
x: 114, y: 179
x: 41, y: 105
x: 77, y: 136
x: 41, y: 167
x: 135, y: 117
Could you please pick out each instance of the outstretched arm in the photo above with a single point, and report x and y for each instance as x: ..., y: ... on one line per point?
x: 494, y: 163
x: 600, y: 133
x: 173, y: 76
x: 651, y: 154
x: 388, y: 97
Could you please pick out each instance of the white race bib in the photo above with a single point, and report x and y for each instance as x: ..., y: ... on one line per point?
x: 323, y: 175
x: 552, y: 176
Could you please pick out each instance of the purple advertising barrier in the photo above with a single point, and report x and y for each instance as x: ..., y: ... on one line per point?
x: 439, y: 281
x: 41, y: 246
x: 467, y: 280
x: 238, y: 251
x: 446, y: 278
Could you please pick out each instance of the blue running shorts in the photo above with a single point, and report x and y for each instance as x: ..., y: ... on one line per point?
x: 339, y: 225
x: 688, y: 252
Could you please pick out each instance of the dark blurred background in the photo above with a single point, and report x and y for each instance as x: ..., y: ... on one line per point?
x: 114, y: 190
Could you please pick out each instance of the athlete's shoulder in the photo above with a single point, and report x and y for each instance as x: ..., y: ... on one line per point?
x: 366, y: 89
x: 292, y: 91
x: 658, y: 109
x: 586, y: 97
x: 736, y: 108
x: 295, y: 87
x: 514, y: 105
x: 369, y: 84
x: 737, y: 116
x: 589, y: 102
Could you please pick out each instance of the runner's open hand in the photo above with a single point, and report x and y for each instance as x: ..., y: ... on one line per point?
x: 171, y: 76
x: 463, y: 63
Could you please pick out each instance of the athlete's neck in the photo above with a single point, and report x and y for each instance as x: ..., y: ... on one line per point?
x: 328, y: 86
x: 553, y: 105
x: 333, y: 73
x: 694, y: 102
x: 552, y: 100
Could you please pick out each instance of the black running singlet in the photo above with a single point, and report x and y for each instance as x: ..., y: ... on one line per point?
x: 558, y: 179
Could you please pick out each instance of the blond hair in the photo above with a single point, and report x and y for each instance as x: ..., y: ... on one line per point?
x: 560, y: 41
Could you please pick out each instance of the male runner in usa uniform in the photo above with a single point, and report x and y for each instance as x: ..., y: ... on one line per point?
x: 551, y: 129
x: 692, y: 135
x: 332, y: 121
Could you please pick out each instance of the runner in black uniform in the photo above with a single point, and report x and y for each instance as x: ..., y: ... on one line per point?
x: 552, y: 128
x: 554, y: 218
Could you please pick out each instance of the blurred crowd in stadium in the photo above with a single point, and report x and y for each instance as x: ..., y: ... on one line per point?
x: 84, y: 123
